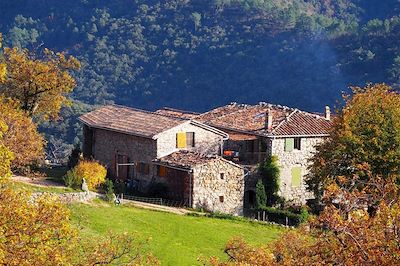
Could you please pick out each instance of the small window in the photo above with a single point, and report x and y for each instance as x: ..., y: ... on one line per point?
x: 222, y: 175
x: 190, y: 139
x: 289, y: 144
x: 221, y: 199
x: 181, y: 140
x: 296, y: 176
x: 143, y: 168
x: 162, y: 171
x: 297, y: 143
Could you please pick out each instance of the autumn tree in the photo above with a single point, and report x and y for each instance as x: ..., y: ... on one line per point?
x: 21, y: 136
x: 6, y: 155
x: 365, y: 137
x: 36, y: 230
x: 39, y: 84
x: 347, y: 232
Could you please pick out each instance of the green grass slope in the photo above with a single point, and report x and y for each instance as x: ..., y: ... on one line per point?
x: 174, y: 239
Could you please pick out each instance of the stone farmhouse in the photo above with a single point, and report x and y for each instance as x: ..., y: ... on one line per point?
x: 150, y: 148
x: 207, y: 160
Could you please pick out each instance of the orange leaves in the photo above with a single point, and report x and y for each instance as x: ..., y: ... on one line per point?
x: 33, y: 232
x: 40, y: 85
x: 21, y: 136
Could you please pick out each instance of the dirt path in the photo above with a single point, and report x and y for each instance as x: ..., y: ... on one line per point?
x: 37, y: 182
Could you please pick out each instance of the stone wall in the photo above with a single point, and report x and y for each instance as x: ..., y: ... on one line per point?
x: 206, y: 141
x: 208, y: 187
x: 295, y: 158
x: 70, y: 197
x: 108, y: 144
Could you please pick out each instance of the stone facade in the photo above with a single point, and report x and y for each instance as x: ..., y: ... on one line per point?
x: 206, y: 141
x: 290, y: 159
x: 110, y: 147
x: 218, y: 186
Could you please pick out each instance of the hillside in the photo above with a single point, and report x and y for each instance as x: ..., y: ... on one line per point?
x: 197, y: 54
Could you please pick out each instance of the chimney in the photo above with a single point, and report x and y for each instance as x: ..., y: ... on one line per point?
x: 327, y: 113
x: 268, y: 119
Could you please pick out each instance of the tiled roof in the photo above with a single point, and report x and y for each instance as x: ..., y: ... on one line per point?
x: 185, y: 159
x: 188, y: 159
x: 177, y: 113
x: 303, y: 123
x: 251, y: 119
x: 130, y: 120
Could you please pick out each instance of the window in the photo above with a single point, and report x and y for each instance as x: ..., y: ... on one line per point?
x: 222, y: 175
x: 221, y: 199
x: 190, y: 139
x: 162, y: 171
x: 297, y: 143
x: 296, y: 176
x: 184, y: 140
x: 289, y: 144
x: 143, y: 168
x: 181, y: 140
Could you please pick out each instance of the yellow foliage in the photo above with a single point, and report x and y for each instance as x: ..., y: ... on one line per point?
x: 36, y: 231
x: 22, y: 137
x: 3, y: 72
x: 5, y: 155
x: 40, y: 85
x: 93, y: 172
x: 33, y: 232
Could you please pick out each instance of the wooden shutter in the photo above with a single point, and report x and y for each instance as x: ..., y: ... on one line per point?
x: 181, y: 140
x: 289, y: 144
x: 162, y: 171
x: 296, y: 176
x: 190, y: 139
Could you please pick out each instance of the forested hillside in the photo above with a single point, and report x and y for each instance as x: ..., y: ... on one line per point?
x: 198, y: 54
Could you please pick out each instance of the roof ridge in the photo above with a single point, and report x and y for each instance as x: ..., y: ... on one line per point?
x: 285, y: 120
x: 147, y: 112
x: 180, y: 110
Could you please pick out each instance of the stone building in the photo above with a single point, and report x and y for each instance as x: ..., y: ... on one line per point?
x: 147, y: 148
x: 207, y: 160
x: 258, y: 131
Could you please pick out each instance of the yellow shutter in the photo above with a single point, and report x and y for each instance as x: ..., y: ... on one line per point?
x: 181, y: 140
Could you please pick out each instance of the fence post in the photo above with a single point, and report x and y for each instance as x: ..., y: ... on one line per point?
x: 287, y: 222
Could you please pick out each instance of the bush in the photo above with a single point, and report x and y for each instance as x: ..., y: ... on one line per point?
x: 72, y: 180
x: 270, y: 174
x: 261, y: 197
x: 109, y: 188
x: 74, y: 157
x: 93, y: 172
x: 279, y: 216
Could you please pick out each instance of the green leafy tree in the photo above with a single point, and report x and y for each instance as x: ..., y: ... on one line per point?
x: 270, y: 176
x: 365, y: 139
x: 261, y: 197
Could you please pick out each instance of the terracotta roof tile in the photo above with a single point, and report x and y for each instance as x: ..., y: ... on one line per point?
x: 130, y: 120
x: 177, y: 113
x: 185, y: 159
x: 251, y: 119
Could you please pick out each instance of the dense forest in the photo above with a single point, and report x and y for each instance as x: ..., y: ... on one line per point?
x: 198, y: 54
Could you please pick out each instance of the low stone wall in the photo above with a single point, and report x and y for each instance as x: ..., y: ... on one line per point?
x: 72, y: 197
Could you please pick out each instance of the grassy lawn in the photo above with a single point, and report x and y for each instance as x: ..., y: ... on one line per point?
x: 174, y: 239
x: 34, y: 188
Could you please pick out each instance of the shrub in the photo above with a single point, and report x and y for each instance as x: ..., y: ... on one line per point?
x: 261, y: 197
x: 93, y: 172
x: 74, y: 157
x: 109, y: 188
x: 270, y: 175
x: 279, y: 216
x: 71, y: 179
